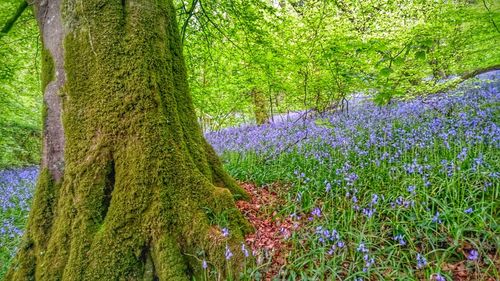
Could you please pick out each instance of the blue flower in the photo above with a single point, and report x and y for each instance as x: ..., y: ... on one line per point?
x: 400, y: 239
x: 468, y: 211
x: 368, y: 262
x: 244, y: 250
x: 439, y: 277
x: 331, y: 250
x: 316, y: 212
x: 368, y: 212
x: 228, y: 253
x: 436, y: 218
x: 361, y: 248
x: 473, y: 255
x: 411, y: 189
x: 225, y: 232
x: 421, y: 261
x: 204, y: 264
x: 328, y: 187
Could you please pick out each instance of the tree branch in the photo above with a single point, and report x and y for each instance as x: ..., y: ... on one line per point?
x: 478, y: 71
x: 450, y: 85
x: 186, y: 22
x: 10, y: 23
x: 491, y: 18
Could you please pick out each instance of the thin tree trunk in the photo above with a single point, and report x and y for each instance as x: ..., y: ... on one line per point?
x: 128, y: 187
x: 260, y: 107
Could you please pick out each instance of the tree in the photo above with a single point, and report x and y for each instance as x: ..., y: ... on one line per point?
x: 259, y: 107
x: 129, y: 189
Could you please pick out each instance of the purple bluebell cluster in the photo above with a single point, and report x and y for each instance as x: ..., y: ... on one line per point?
x: 316, y: 212
x: 420, y: 123
x: 330, y: 239
x: 16, y: 191
x: 16, y: 188
x: 414, y: 167
x: 436, y: 218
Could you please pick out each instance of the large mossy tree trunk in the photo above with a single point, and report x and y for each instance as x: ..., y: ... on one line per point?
x: 129, y: 188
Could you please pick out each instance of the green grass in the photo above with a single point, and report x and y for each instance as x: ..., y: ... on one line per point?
x: 444, y: 241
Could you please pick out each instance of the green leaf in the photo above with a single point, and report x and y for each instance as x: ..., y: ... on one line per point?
x: 420, y: 55
x: 386, y: 71
x: 399, y: 61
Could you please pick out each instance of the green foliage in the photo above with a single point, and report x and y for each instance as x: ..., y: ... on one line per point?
x: 311, y: 54
x: 20, y: 97
x: 298, y: 54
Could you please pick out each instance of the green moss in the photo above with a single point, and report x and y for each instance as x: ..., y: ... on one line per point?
x: 48, y: 69
x: 138, y: 173
x: 260, y: 107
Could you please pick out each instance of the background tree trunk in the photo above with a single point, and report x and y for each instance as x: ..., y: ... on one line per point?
x: 260, y: 107
x: 129, y: 188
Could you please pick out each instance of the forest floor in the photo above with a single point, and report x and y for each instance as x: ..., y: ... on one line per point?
x: 268, y: 242
x: 409, y: 191
x: 270, y: 246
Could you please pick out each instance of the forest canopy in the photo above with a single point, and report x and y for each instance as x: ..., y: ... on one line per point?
x: 250, y: 60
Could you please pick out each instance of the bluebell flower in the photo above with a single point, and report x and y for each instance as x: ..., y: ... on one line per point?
x: 421, y: 261
x: 331, y: 251
x: 468, y: 211
x: 436, y: 218
x: 439, y: 277
x: 368, y: 262
x: 463, y: 154
x: 299, y: 196
x: 361, y: 248
x: 473, y: 255
x: 228, y: 253
x: 411, y: 189
x: 316, y: 212
x: 400, y: 239
x: 369, y: 212
x: 225, y: 232
x: 244, y: 250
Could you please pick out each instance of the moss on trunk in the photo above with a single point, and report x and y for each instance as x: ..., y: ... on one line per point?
x: 142, y: 193
x: 260, y: 107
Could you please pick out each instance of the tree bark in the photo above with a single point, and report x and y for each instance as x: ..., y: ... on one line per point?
x: 129, y: 188
x: 259, y: 107
x: 453, y: 83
